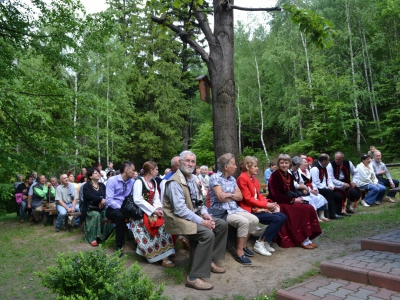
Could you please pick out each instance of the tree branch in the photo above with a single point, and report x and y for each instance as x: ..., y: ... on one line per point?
x: 183, y: 36
x: 40, y: 95
x: 205, y: 27
x: 255, y: 9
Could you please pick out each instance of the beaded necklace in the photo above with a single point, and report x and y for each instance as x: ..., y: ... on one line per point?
x: 286, y: 181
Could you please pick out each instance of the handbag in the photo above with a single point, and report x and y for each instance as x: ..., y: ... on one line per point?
x: 129, y: 209
x: 18, y: 198
x: 257, y: 210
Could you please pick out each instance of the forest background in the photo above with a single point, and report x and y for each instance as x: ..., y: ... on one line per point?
x: 77, y: 89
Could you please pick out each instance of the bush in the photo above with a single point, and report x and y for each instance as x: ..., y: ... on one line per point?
x: 96, y: 275
x: 7, y: 201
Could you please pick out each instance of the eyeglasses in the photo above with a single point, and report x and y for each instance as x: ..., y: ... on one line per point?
x: 188, y: 161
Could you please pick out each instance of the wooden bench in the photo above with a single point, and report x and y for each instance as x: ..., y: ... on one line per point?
x: 54, y: 212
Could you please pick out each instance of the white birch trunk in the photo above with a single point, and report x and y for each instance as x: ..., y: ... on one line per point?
x: 261, y: 110
x: 75, y: 113
x: 304, y: 42
x: 98, y: 141
x: 108, y: 98
x: 239, y: 121
x: 353, y: 79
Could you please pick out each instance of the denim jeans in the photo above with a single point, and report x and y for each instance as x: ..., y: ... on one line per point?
x: 62, y: 212
x: 386, y: 182
x: 375, y: 193
x: 23, y: 208
x: 274, y: 221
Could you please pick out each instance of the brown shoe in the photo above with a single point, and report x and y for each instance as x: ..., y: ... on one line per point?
x: 216, y: 269
x: 314, y: 245
x: 198, y: 284
x: 308, y: 247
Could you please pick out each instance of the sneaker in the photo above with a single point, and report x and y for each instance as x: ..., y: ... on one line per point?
x: 365, y: 204
x: 57, y: 229
x: 377, y: 203
x: 248, y: 252
x: 258, y: 228
x: 269, y: 248
x: 259, y: 247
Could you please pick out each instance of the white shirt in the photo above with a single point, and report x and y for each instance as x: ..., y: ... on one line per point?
x: 316, y: 182
x: 338, y: 183
x: 147, y: 208
x: 366, y: 175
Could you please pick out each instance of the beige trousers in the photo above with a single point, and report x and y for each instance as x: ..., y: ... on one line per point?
x: 244, y: 222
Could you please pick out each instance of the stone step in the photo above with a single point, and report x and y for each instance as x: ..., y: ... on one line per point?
x: 328, y: 288
x: 378, y: 268
x: 389, y: 242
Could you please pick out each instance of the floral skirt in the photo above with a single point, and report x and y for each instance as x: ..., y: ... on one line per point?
x: 154, y: 249
x: 94, y: 229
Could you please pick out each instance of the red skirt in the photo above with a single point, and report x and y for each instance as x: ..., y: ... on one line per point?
x: 301, y: 222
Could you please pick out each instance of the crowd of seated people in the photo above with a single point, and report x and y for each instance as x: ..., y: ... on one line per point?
x: 302, y: 193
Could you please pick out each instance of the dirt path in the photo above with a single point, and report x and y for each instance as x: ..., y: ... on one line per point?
x: 263, y: 276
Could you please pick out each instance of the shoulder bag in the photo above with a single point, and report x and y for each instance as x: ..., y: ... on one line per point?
x: 129, y: 209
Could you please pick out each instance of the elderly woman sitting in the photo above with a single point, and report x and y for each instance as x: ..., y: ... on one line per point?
x: 314, y: 198
x: 301, y: 221
x: 367, y: 181
x: 254, y: 202
x: 224, y: 192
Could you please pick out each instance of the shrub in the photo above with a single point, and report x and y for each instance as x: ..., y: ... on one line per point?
x: 96, y: 275
x: 7, y: 201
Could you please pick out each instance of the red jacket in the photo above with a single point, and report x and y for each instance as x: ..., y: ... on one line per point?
x: 248, y: 188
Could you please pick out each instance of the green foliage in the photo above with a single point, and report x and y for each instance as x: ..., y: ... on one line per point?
x: 7, y: 201
x: 319, y: 29
x: 203, y: 144
x: 96, y: 275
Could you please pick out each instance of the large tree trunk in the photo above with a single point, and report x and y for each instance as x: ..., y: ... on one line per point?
x: 220, y: 66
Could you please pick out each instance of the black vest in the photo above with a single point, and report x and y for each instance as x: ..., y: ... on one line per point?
x: 345, y: 168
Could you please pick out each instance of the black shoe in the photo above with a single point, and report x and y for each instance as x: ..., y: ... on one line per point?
x: 335, y: 216
x: 243, y: 260
x: 57, y: 229
x: 247, y: 252
x: 345, y: 215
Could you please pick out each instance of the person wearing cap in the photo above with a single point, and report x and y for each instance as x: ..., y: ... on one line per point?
x: 344, y: 176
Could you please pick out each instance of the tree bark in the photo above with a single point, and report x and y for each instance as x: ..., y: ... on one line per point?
x: 220, y: 66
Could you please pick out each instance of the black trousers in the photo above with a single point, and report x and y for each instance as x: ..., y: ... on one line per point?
x: 120, y: 226
x: 334, y: 201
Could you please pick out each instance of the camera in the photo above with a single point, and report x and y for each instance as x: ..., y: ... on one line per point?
x: 197, y: 202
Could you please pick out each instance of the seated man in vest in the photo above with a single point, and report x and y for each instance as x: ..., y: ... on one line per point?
x: 321, y: 181
x: 39, y: 193
x: 380, y: 169
x: 185, y: 214
x: 66, y: 200
x: 344, y: 175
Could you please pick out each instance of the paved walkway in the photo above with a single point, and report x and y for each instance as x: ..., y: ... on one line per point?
x: 334, y: 289
x: 368, y: 274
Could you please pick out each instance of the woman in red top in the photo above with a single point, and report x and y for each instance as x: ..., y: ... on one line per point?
x: 256, y: 204
x: 302, y: 223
